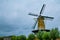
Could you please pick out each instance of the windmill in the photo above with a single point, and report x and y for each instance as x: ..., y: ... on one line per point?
x: 40, y: 20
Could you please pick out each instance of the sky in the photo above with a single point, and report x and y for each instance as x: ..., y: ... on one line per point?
x: 14, y: 18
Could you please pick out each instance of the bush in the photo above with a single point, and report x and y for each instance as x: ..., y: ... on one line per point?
x: 39, y: 35
x: 46, y: 36
x: 22, y: 37
x: 31, y: 37
x: 13, y: 37
x: 54, y: 33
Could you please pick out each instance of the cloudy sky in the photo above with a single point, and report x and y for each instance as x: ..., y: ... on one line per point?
x: 14, y: 18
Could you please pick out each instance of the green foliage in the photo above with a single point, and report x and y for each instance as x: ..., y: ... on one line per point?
x: 59, y: 34
x: 22, y: 37
x: 43, y: 35
x: 13, y: 37
x: 46, y: 36
x: 54, y: 33
x: 39, y: 35
x: 1, y: 38
x: 31, y: 37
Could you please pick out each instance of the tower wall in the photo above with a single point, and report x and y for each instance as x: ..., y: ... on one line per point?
x: 41, y: 24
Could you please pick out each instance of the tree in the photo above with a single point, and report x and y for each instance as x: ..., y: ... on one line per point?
x: 39, y: 35
x: 54, y: 33
x: 13, y: 37
x: 59, y: 34
x: 46, y: 36
x: 31, y: 37
x: 22, y: 37
x: 1, y: 38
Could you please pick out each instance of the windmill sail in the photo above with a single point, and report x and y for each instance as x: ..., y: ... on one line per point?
x: 34, y: 24
x: 48, y: 17
x: 42, y: 9
x: 33, y: 14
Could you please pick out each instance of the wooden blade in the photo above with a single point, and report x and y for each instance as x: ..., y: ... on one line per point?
x: 42, y: 9
x: 48, y: 17
x: 35, y: 25
x: 33, y: 14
